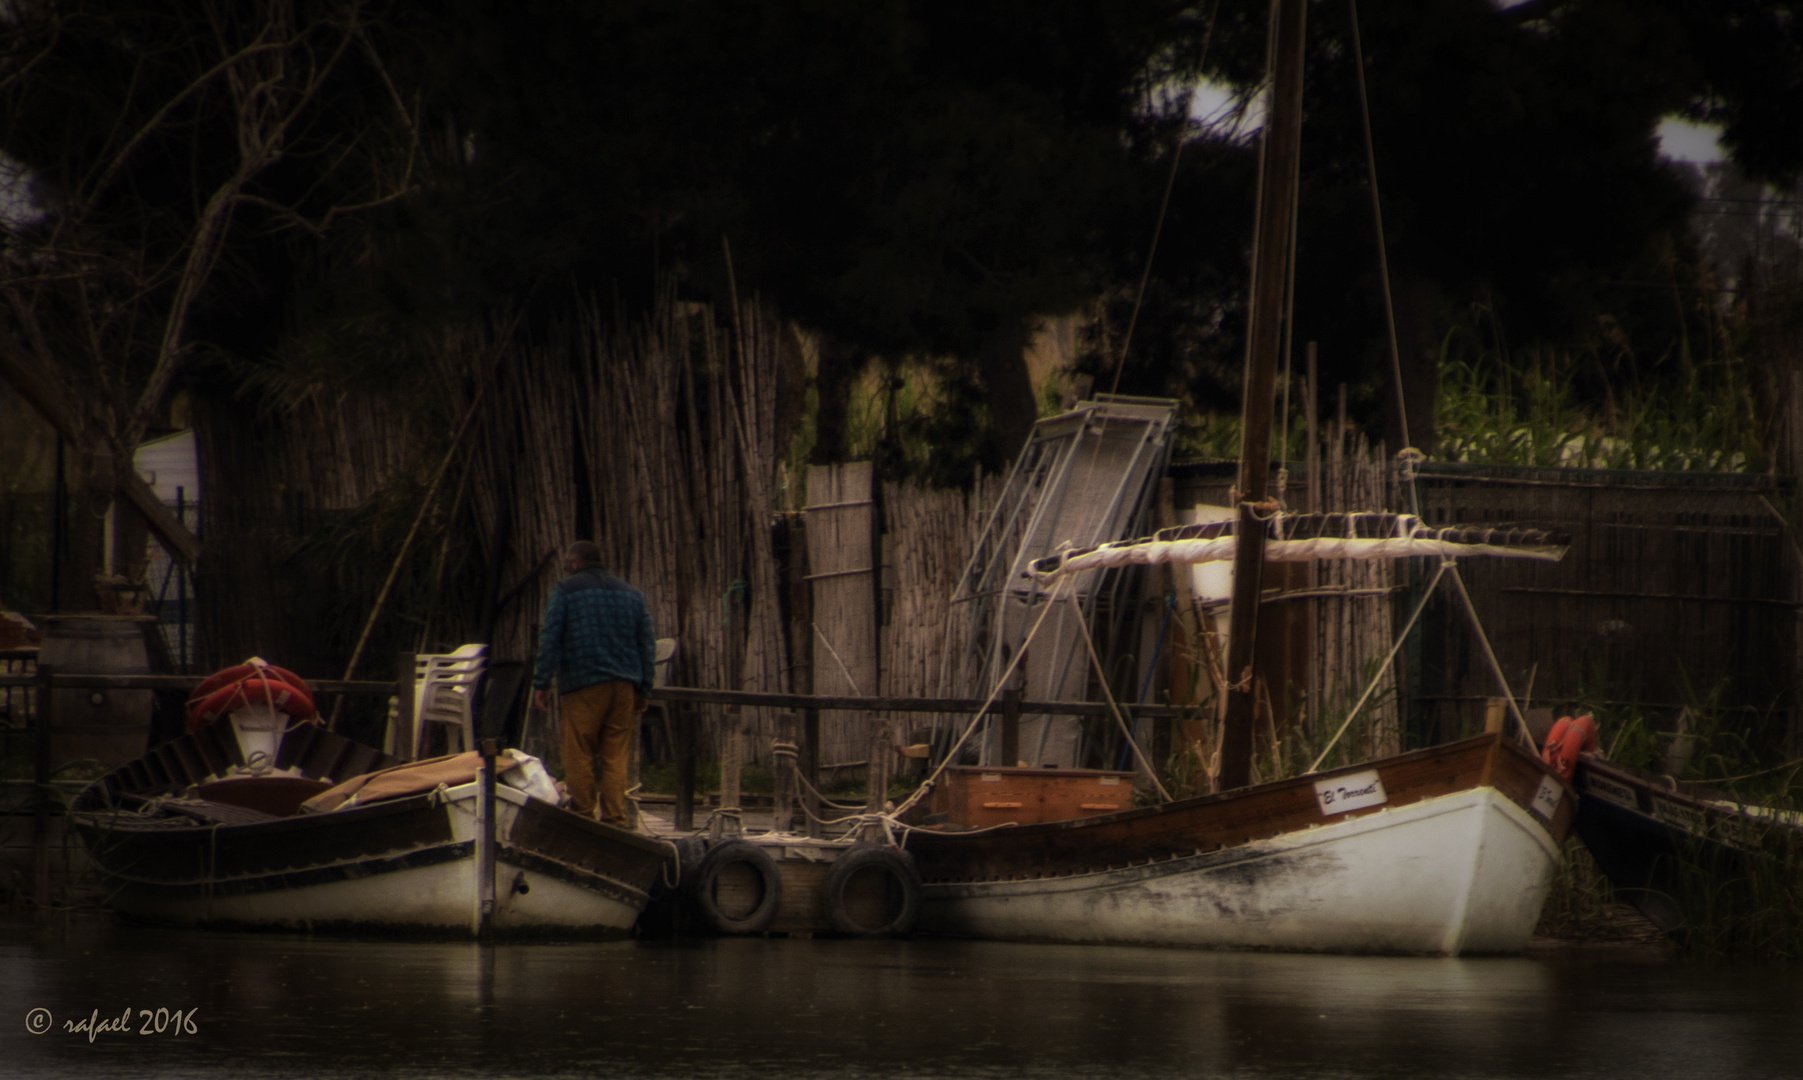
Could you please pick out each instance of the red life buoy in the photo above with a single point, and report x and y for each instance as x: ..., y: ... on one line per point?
x: 226, y: 676
x: 219, y: 680
x: 251, y: 683
x: 1566, y: 741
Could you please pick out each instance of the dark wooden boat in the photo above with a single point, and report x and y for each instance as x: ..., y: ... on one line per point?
x: 1446, y: 851
x: 189, y: 834
x: 1659, y: 840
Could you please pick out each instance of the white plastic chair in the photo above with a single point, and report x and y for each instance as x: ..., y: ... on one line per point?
x: 666, y: 653
x: 660, y: 674
x: 444, y: 692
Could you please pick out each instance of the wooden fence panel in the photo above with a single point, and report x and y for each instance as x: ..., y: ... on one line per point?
x: 1679, y: 590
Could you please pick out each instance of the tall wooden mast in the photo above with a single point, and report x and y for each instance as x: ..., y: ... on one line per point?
x: 1279, y: 155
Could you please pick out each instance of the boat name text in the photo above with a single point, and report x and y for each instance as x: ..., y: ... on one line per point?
x: 1354, y: 791
x: 1611, y: 792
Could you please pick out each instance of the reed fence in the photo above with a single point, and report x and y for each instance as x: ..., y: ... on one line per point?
x: 1325, y: 627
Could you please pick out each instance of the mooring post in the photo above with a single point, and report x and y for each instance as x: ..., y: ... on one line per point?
x: 728, y: 819
x: 40, y: 832
x: 876, y: 772
x: 785, y: 762
x: 485, y: 842
x: 1010, y: 727
x: 683, y: 816
x: 401, y: 733
x: 810, y: 767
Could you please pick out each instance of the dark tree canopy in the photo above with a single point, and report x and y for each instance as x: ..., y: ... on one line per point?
x: 1520, y: 175
x: 902, y: 177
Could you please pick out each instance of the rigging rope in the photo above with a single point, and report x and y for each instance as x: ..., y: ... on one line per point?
x: 927, y: 784
x: 1383, y: 258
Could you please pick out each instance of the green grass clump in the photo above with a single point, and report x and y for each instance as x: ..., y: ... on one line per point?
x: 1530, y: 412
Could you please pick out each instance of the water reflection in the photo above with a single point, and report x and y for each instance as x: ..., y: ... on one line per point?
x: 279, y: 1006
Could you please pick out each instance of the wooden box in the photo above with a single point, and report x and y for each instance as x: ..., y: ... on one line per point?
x: 976, y: 798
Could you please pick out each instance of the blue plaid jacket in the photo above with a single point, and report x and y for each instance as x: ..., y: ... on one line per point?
x: 597, y: 628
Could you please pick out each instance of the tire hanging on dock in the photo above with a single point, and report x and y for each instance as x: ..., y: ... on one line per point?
x: 737, y: 888
x: 872, y: 891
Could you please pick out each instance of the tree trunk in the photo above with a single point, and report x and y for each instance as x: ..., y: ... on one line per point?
x: 246, y: 604
x: 1002, y: 364
x: 85, y: 555
x: 839, y: 368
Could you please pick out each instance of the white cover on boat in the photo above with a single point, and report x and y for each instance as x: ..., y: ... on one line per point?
x: 529, y: 776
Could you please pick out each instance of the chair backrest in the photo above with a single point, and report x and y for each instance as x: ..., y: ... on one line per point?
x: 444, y: 691
x: 666, y: 656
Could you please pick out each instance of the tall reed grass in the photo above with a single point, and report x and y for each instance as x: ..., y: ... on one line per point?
x: 1529, y: 410
x: 1744, y: 898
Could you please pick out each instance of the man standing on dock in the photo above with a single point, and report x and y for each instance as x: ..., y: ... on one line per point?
x: 597, y: 643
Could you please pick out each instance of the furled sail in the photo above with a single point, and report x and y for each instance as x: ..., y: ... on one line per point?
x: 1305, y: 537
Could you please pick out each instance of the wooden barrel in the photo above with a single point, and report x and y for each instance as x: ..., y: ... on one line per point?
x: 109, y: 727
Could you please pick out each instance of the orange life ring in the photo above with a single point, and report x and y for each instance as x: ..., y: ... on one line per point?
x: 252, y: 683
x: 1566, y: 741
x: 220, y: 679
x: 226, y: 676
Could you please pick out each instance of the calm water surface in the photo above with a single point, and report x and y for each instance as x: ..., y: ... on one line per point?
x: 279, y: 1006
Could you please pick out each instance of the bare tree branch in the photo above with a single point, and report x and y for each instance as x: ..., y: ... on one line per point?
x: 116, y: 161
x: 263, y: 120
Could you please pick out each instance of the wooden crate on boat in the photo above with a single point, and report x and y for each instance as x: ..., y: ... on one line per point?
x: 974, y: 797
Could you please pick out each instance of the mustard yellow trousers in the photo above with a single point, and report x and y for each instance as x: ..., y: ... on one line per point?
x: 599, y: 719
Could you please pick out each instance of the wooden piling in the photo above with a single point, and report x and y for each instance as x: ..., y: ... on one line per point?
x: 810, y: 767
x: 401, y: 730
x: 732, y: 760
x: 40, y: 819
x: 1495, y: 711
x: 684, y: 752
x: 1011, y: 726
x: 783, y: 805
x: 484, y: 915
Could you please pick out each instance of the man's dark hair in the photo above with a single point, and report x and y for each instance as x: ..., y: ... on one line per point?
x: 583, y: 553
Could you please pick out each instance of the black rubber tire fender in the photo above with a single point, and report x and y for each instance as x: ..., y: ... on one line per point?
x: 903, y: 875
x: 770, y: 882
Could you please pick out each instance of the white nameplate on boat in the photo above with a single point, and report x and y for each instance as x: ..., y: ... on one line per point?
x: 1678, y: 816
x: 1546, y: 800
x: 1610, y: 792
x: 1354, y: 791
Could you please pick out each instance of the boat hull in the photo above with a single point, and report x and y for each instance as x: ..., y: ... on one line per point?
x: 402, y: 865
x: 422, y: 881
x: 1369, y: 885
x: 1438, y: 872
x: 1666, y: 847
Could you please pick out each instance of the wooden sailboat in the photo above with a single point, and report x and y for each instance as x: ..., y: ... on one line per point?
x: 209, y: 829
x: 1446, y: 850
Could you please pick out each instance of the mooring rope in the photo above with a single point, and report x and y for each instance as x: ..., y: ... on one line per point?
x: 1426, y: 595
x: 951, y: 754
